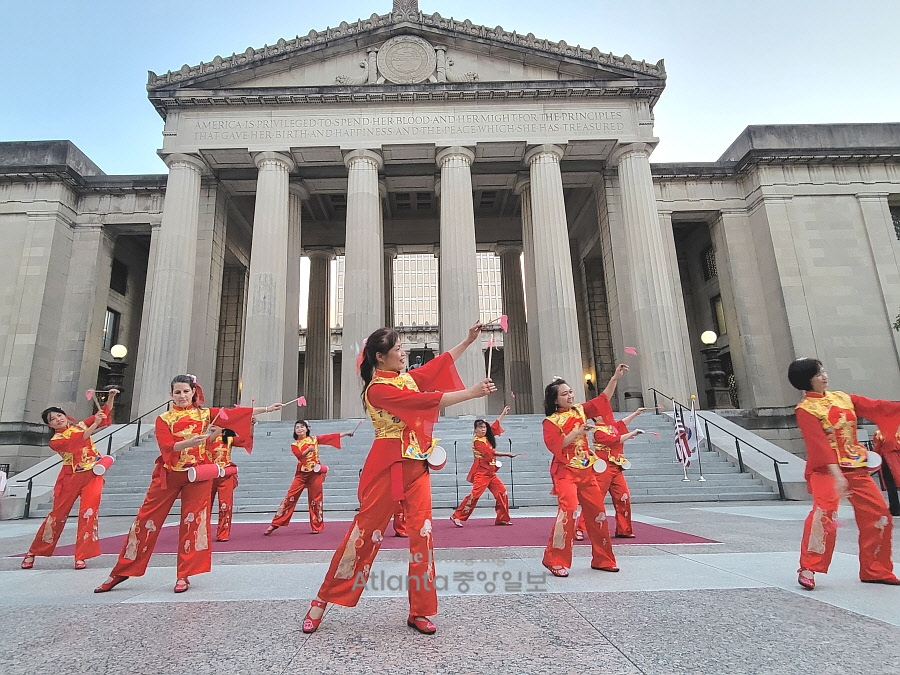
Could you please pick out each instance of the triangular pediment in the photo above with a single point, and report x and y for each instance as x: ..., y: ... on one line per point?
x: 417, y: 50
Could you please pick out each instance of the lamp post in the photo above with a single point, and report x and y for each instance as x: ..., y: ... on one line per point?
x: 116, y: 377
x: 589, y: 383
x: 718, y: 394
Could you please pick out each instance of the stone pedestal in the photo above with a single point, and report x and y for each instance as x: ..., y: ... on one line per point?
x: 363, y: 270
x: 664, y: 364
x: 164, y: 349
x: 262, y: 373
x: 560, y: 350
x: 459, y: 272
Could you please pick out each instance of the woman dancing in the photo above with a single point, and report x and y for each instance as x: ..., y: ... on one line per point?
x: 76, y: 480
x: 309, y: 476
x: 483, y: 474
x: 565, y: 428
x: 403, y: 408
x: 836, y: 468
x: 182, y: 434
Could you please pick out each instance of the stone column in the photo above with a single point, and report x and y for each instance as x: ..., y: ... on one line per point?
x: 167, y: 331
x: 363, y: 270
x: 515, y: 343
x: 317, y: 387
x: 459, y: 271
x: 390, y: 253
x: 291, y: 386
x: 560, y: 349
x: 523, y: 189
x: 262, y: 371
x: 664, y: 365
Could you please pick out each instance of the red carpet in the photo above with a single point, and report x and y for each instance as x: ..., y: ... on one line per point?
x: 477, y: 533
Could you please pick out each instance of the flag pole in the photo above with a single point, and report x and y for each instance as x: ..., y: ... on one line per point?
x: 697, y: 437
x: 683, y: 465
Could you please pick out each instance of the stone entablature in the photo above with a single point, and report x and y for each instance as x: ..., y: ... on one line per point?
x: 451, y: 27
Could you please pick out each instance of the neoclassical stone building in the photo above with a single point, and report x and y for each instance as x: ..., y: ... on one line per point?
x: 408, y: 133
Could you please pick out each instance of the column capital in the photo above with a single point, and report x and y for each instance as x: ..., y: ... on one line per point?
x: 262, y: 159
x: 627, y: 150
x: 371, y: 156
x: 523, y: 183
x: 298, y: 189
x: 542, y: 150
x: 455, y: 151
x: 320, y: 252
x: 382, y: 189
x: 504, y: 247
x: 391, y: 251
x: 183, y: 161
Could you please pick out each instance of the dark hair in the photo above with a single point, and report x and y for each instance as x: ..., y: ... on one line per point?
x: 550, y: 395
x: 228, y: 433
x: 304, y: 423
x: 802, y: 371
x: 185, y: 379
x: 489, y: 434
x: 52, y: 409
x: 381, y: 341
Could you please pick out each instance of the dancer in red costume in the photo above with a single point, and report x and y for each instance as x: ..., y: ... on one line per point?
x: 76, y: 480
x: 483, y: 474
x: 182, y: 434
x: 310, y: 475
x: 223, y: 488
x: 403, y: 408
x: 609, y: 437
x: 836, y: 468
x: 571, y: 469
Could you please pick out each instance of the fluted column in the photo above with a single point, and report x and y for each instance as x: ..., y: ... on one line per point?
x: 363, y: 270
x: 317, y: 387
x: 262, y: 371
x: 167, y: 332
x: 664, y: 364
x: 560, y: 353
x: 390, y: 253
x: 515, y: 342
x: 523, y: 189
x: 297, y: 192
x: 459, y: 307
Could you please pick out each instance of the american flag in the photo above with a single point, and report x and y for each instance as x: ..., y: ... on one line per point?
x: 683, y: 450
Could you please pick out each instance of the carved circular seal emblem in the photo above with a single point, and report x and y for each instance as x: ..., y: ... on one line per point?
x: 406, y: 59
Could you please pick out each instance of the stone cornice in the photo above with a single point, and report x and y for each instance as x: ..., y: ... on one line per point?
x: 413, y: 19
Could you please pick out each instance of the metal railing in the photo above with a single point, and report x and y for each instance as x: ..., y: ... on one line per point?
x: 679, y: 408
x: 137, y: 439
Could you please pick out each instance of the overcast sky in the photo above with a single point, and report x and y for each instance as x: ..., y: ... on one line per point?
x: 77, y: 70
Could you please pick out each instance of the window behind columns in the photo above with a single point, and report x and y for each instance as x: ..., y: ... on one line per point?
x: 895, y: 216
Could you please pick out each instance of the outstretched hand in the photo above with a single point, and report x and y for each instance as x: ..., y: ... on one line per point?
x: 474, y: 331
x: 483, y: 388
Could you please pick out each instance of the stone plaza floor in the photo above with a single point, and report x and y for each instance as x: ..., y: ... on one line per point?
x: 727, y: 607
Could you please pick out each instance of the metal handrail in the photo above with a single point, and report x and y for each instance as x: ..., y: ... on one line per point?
x: 737, y: 441
x: 137, y: 436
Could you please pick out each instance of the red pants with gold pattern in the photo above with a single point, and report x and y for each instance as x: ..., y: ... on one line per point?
x: 872, y: 518
x: 312, y: 483
x: 613, y: 481
x: 574, y: 486
x: 223, y: 488
x: 485, y: 480
x: 70, y: 486
x: 352, y: 562
x: 194, y: 552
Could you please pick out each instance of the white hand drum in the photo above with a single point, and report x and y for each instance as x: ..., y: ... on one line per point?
x: 873, y: 461
x: 498, y: 463
x: 626, y: 464
x: 600, y: 466
x: 437, y: 460
x: 102, y: 466
x: 317, y: 468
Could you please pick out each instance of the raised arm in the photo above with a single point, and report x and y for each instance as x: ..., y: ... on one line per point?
x: 621, y: 369
x: 502, y: 415
x: 458, y: 350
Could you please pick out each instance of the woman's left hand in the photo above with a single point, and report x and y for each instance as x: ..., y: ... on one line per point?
x: 474, y: 331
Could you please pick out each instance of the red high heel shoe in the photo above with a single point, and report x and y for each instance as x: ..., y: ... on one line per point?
x: 80, y: 564
x: 311, y: 625
x: 110, y: 584
x: 28, y: 561
x: 807, y: 583
x: 422, y: 624
x: 181, y: 585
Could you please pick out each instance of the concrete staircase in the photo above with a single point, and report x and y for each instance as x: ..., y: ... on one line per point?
x: 266, y: 474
